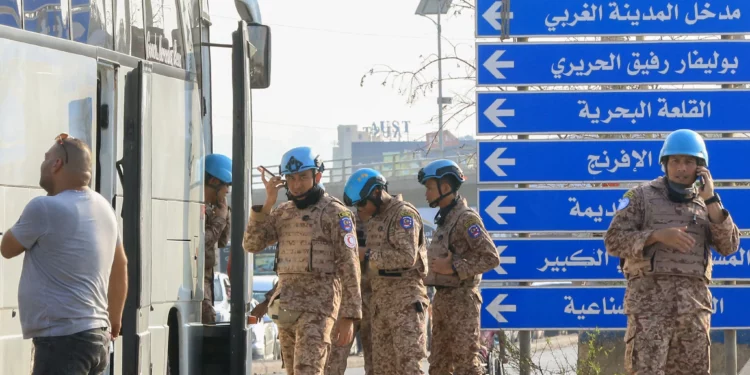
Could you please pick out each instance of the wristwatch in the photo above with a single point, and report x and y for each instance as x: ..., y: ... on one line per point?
x: 714, y: 199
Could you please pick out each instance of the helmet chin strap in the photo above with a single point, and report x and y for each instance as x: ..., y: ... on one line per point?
x: 436, y: 202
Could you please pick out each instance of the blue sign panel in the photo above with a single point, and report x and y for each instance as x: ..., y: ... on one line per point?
x: 589, y: 308
x: 636, y: 17
x: 601, y: 160
x: 574, y: 210
x: 561, y: 112
x: 581, y: 259
x: 616, y: 63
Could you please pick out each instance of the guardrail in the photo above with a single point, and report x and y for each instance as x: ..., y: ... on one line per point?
x: 339, y: 170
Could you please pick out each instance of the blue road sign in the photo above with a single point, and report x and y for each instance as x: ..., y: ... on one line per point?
x: 559, y: 308
x: 583, y: 17
x: 615, y: 63
x: 602, y: 160
x: 581, y: 259
x: 561, y: 112
x: 574, y: 210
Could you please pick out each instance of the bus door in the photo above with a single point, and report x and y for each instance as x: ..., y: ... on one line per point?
x: 135, y: 172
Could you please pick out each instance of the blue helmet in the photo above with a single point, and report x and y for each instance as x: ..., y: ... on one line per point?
x: 300, y: 159
x: 360, y: 184
x: 219, y: 166
x: 441, y: 168
x: 684, y: 142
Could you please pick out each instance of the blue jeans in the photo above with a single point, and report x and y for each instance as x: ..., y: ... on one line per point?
x: 82, y: 353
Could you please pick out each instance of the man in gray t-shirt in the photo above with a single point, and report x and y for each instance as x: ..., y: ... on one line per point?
x: 74, y: 278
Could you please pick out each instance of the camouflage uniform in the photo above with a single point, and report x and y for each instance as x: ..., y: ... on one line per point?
x: 667, y: 299
x: 217, y: 235
x: 337, y: 361
x: 457, y: 302
x: 318, y: 275
x: 397, y: 266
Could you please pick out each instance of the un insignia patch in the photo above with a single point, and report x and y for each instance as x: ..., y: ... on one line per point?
x: 474, y: 231
x: 346, y: 224
x: 624, y: 202
x: 407, y: 222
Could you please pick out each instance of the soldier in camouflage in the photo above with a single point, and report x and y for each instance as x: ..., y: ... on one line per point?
x: 337, y: 361
x: 218, y: 223
x: 460, y: 252
x: 396, y: 261
x: 317, y: 263
x: 662, y: 233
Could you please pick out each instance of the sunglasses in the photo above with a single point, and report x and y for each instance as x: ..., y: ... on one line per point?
x: 61, y: 140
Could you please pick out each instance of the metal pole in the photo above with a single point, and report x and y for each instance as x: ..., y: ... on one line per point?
x: 730, y: 336
x: 524, y: 337
x: 440, y: 82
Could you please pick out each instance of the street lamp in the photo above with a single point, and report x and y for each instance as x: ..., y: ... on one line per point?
x: 437, y: 7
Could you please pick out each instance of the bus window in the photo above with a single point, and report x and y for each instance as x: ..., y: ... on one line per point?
x: 10, y: 14
x: 164, y: 32
x: 129, y: 35
x: 263, y: 263
x: 47, y: 17
x: 92, y: 22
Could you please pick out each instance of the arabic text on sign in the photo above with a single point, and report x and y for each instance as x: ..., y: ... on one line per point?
x: 590, y: 212
x: 694, y: 61
x: 593, y: 308
x: 596, y: 165
x: 593, y: 12
x: 574, y: 261
x: 699, y: 109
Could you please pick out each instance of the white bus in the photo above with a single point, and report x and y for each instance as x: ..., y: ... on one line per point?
x: 133, y: 79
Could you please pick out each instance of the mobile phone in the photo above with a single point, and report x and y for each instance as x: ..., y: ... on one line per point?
x: 699, y: 182
x: 266, y: 173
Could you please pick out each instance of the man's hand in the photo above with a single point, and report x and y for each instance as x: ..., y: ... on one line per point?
x: 343, y: 332
x: 675, y: 238
x: 443, y: 266
x: 116, y: 328
x: 707, y: 191
x: 221, y: 209
x: 272, y: 190
x: 260, y: 309
x: 362, y: 253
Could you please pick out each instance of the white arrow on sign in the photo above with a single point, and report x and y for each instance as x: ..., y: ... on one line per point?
x: 496, y: 307
x: 494, y: 65
x: 493, y: 112
x: 494, y: 161
x: 494, y: 209
x: 503, y: 260
x: 493, y: 15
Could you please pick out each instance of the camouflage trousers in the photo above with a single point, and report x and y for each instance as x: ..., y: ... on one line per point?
x: 337, y: 360
x: 665, y: 345
x: 305, y: 345
x: 208, y: 314
x: 455, y: 332
x: 399, y: 337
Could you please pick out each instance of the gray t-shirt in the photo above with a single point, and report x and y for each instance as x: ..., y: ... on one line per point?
x: 70, y: 240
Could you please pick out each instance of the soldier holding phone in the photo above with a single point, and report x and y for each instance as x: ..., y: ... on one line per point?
x: 318, y: 296
x: 662, y: 232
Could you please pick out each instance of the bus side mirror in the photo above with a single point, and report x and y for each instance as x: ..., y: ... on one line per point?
x: 259, y: 38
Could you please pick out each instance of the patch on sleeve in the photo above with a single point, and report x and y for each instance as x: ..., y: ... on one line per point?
x: 350, y: 240
x: 346, y: 224
x: 475, y: 231
x: 345, y: 213
x: 624, y: 202
x: 629, y: 194
x: 471, y: 221
x: 407, y: 222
